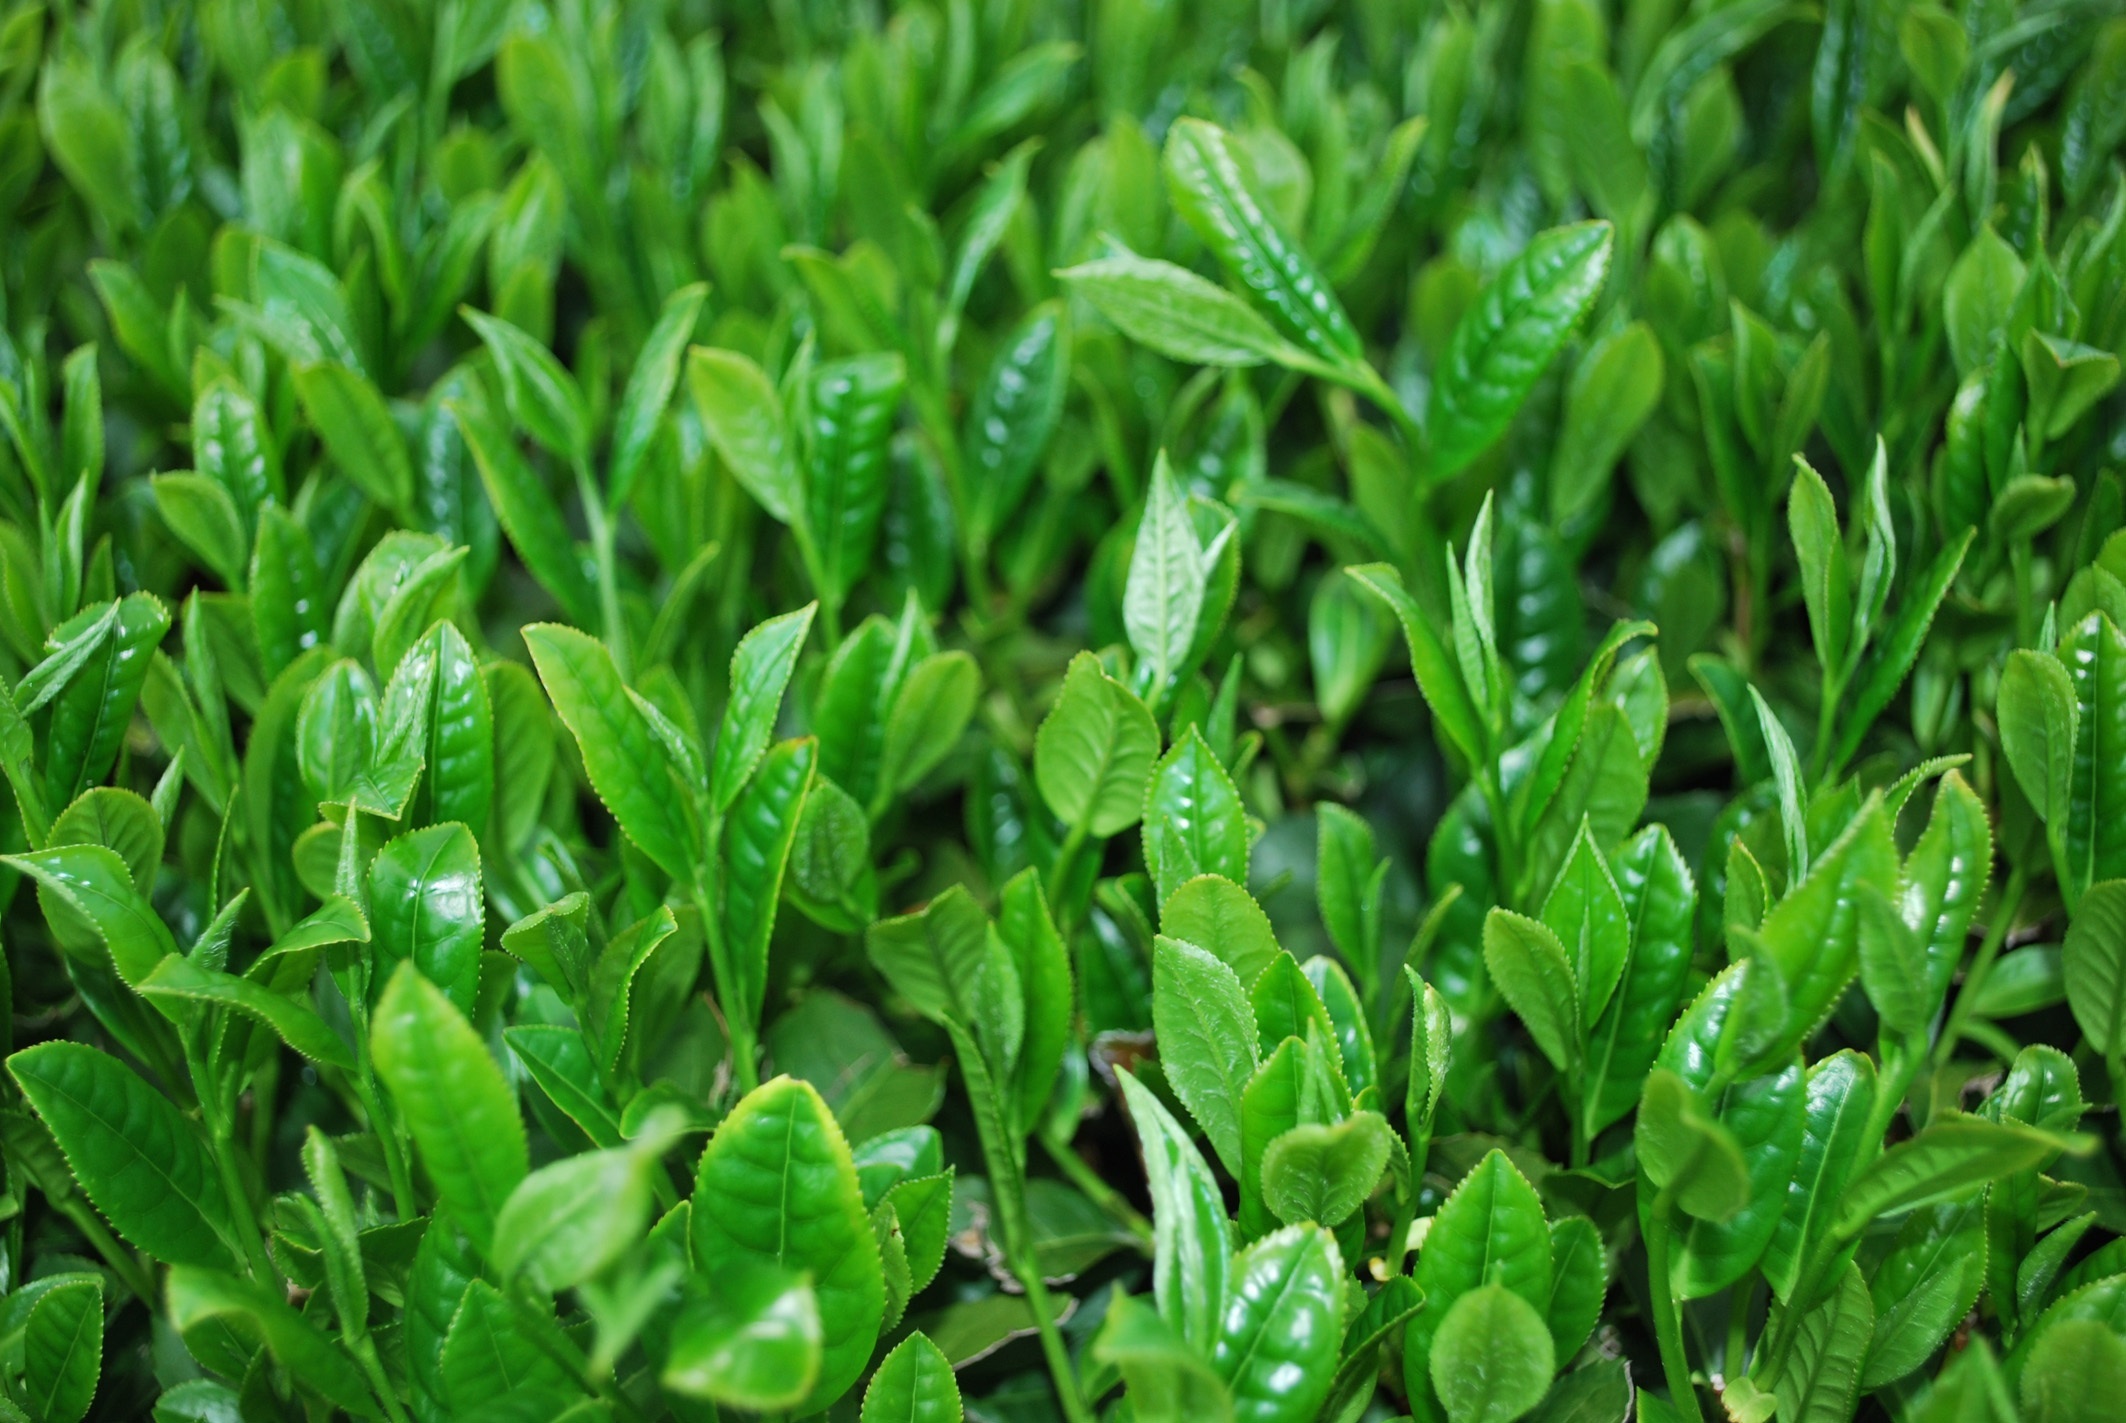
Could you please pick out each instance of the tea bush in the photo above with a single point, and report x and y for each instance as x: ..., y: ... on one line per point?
x: 706, y: 710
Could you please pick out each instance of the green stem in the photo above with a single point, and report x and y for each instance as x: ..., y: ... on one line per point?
x: 2026, y: 618
x: 1668, y: 1319
x: 1095, y: 1189
x: 381, y: 1122
x: 830, y: 621
x: 1733, y: 1359
x: 936, y: 422
x: 745, y: 1051
x: 974, y: 568
x: 1503, y: 839
x: 403, y: 1199
x: 742, y: 1032
x: 1816, y: 1262
x: 1059, y: 872
x: 1004, y: 1152
x: 265, y: 1088
x: 1894, y: 1082
x: 1374, y: 388
x: 1826, y: 717
x: 221, y: 1143
x: 601, y: 531
x: 1975, y: 977
x: 246, y: 1222
x: 1068, y: 1394
x: 1406, y: 1207
x: 1785, y: 1329
x: 364, y: 1351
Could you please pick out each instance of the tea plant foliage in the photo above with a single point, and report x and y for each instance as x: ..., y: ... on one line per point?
x: 1148, y: 711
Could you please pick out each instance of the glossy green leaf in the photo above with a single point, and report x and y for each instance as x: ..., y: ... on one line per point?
x: 1841, y: 1100
x: 453, y: 1098
x: 1508, y: 338
x: 2037, y: 713
x: 753, y: 1343
x: 2095, y: 656
x: 1491, y: 1357
x: 1529, y: 965
x: 649, y: 388
x: 1952, y: 1155
x: 1821, y: 1380
x: 2076, y: 1370
x: 2093, y: 965
x: 490, y: 1353
x: 931, y: 709
x: 914, y: 1383
x: 1980, y: 290
x: 1813, y: 933
x: 1194, y: 823
x: 1286, y: 1006
x: 1192, y: 1254
x: 1439, y: 679
x: 1579, y: 1279
x: 352, y: 419
x: 1826, y: 578
x: 1277, y: 1343
x: 1214, y: 193
x: 95, y: 884
x: 1215, y: 913
x: 1179, y: 314
x: 91, y: 712
x: 1615, y: 386
x: 760, y: 671
x: 1169, y: 1381
x: 1683, y: 1149
x: 1014, y: 416
x: 1893, y: 967
x: 628, y: 765
x: 206, y: 520
x: 757, y: 840
x: 197, y: 1296
x: 938, y: 958
x: 1763, y: 1116
x: 1898, y: 647
x: 744, y: 419
x: 526, y: 509
x: 1585, y: 910
x: 426, y: 908
x: 1659, y: 900
x: 1094, y: 752
x: 1207, y: 1038
x: 1347, y: 1017
x: 1489, y: 1231
x: 849, y: 414
x: 1169, y: 575
x: 297, y: 1024
x: 776, y: 1188
x: 1945, y: 878
x: 62, y: 1350
x: 1924, y: 1287
x: 134, y: 1155
x: 1324, y: 1173
x: 543, y: 397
